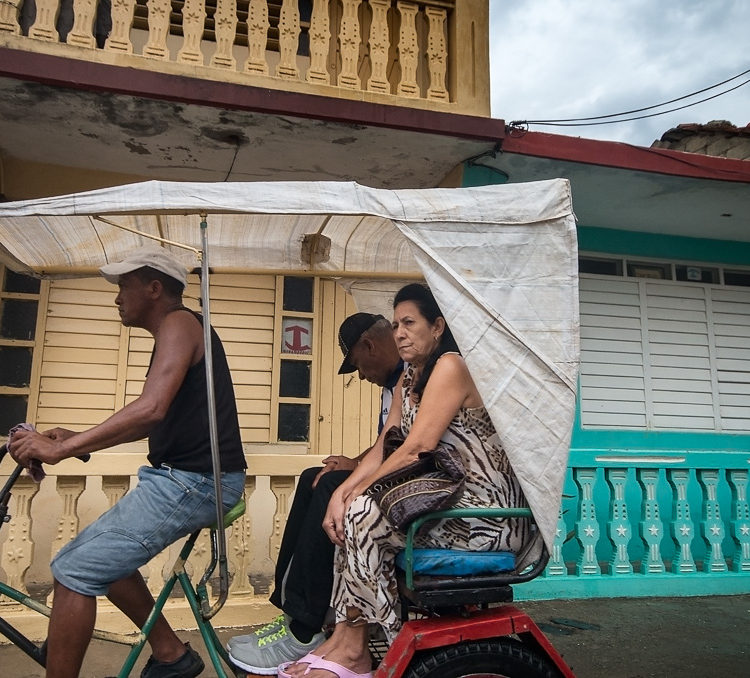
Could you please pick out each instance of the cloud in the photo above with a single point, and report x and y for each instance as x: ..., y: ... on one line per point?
x: 554, y: 59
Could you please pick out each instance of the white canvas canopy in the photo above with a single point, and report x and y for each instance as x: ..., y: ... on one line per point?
x: 501, y: 261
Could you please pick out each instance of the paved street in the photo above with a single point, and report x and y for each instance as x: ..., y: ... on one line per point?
x: 603, y: 638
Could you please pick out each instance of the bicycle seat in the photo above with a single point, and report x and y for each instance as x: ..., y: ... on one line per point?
x: 237, y: 511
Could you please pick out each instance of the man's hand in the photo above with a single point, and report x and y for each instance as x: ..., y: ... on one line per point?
x: 336, y: 462
x: 47, y: 448
x: 58, y: 434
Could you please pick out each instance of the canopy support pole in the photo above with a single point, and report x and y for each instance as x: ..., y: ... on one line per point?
x: 221, y: 542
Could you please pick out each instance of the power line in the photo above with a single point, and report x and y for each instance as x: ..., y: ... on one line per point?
x: 581, y: 122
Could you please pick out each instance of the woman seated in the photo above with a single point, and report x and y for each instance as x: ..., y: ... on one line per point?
x: 436, y: 400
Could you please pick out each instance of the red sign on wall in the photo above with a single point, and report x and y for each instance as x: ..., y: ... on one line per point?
x: 296, y: 336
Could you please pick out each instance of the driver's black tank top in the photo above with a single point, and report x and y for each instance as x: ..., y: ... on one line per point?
x: 181, y: 439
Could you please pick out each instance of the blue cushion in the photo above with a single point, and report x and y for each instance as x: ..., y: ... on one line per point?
x: 458, y: 563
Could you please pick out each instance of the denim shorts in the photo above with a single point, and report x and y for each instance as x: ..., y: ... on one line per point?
x: 166, y: 505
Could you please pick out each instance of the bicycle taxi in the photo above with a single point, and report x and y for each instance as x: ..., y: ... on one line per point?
x: 501, y: 262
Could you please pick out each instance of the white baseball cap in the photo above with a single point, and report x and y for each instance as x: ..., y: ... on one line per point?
x: 155, y: 257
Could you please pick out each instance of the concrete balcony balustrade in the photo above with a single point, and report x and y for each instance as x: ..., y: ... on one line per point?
x: 431, y: 54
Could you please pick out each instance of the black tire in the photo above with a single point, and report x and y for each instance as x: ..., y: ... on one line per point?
x: 495, y: 657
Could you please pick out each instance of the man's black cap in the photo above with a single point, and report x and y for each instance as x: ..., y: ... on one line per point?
x: 350, y: 332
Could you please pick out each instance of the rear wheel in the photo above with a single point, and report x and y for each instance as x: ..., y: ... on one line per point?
x: 492, y: 658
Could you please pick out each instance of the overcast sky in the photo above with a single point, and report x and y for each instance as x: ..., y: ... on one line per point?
x: 553, y: 59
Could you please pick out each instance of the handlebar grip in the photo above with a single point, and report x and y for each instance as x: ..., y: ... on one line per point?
x: 4, y: 451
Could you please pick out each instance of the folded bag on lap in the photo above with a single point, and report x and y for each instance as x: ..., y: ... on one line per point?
x: 433, y: 482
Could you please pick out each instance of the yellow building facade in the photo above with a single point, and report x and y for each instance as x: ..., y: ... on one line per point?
x: 385, y: 92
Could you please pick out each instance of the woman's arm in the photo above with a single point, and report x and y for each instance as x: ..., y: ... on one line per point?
x: 449, y: 388
x: 333, y: 522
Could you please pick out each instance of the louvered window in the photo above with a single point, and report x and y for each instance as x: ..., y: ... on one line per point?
x: 665, y: 354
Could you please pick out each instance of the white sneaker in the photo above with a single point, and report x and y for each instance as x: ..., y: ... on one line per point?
x: 271, y: 650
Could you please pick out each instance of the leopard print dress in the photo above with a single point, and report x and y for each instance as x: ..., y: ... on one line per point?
x: 364, y: 572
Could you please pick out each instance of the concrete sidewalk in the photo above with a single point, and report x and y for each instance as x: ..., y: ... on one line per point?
x: 602, y: 638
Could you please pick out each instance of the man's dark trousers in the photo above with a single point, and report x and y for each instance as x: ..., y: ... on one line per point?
x: 304, y: 569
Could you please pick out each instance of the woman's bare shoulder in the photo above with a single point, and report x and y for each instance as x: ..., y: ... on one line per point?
x: 451, y: 366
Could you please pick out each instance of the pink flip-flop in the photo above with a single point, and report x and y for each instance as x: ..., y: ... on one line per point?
x: 315, y: 662
x: 309, y: 658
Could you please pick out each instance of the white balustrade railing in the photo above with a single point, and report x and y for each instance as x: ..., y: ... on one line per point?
x: 393, y: 47
x: 46, y: 515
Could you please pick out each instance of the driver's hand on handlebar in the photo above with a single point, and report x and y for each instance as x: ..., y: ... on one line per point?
x: 29, y: 445
x: 58, y: 434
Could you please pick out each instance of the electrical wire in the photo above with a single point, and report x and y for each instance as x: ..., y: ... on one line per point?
x: 581, y: 122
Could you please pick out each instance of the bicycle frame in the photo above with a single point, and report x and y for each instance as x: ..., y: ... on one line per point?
x: 197, y: 597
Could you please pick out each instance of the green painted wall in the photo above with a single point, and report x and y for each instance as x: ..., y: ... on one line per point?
x: 588, y: 446
x: 633, y: 243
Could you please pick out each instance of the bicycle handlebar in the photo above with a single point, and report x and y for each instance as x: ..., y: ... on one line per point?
x: 4, y: 451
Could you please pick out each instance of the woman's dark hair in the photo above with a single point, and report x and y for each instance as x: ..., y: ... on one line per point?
x: 422, y: 297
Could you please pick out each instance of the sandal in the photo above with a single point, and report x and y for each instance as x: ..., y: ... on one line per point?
x: 315, y: 662
x: 309, y: 658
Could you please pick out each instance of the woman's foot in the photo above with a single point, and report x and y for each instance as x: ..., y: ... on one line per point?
x: 325, y: 668
x: 346, y: 648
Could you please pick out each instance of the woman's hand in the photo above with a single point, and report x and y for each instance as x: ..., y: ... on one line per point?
x: 333, y: 522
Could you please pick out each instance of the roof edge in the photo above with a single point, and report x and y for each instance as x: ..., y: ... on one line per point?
x: 621, y: 155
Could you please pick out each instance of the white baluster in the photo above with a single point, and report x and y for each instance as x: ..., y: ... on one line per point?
x: 257, y: 35
x: 320, y: 38
x: 193, y: 20
x: 9, y: 17
x: 225, y: 28
x: 82, y: 33
x: 44, y: 25
x: 408, y: 50
x: 114, y: 488
x: 379, y: 45
x: 437, y: 53
x: 18, y: 549
x: 349, y: 39
x: 122, y: 19
x: 282, y: 488
x: 158, y: 29
x: 70, y: 489
x: 288, y: 40
x: 240, y: 546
